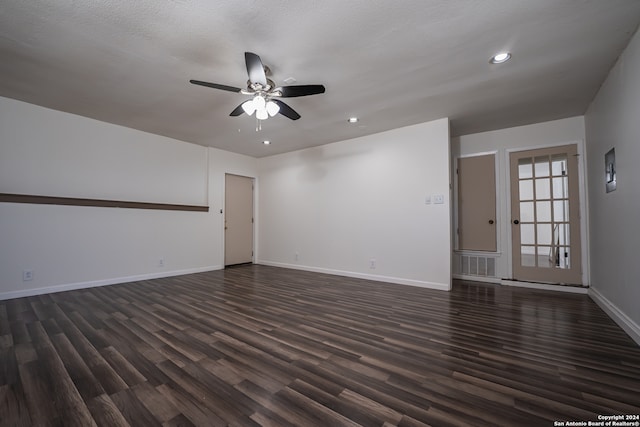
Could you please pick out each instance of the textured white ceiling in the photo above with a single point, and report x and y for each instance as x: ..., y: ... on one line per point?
x: 391, y: 63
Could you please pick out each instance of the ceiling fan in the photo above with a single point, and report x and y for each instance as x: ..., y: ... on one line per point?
x: 265, y: 95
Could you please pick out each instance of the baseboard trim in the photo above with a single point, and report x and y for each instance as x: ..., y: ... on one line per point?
x: 625, y: 322
x: 104, y: 282
x: 546, y: 287
x: 377, y: 278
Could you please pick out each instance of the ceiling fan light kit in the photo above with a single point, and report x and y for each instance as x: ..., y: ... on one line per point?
x: 500, y: 58
x: 264, y: 102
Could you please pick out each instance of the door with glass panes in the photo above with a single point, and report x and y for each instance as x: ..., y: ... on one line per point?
x: 545, y: 220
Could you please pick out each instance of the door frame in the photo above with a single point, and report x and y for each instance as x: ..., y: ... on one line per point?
x: 582, y: 203
x: 223, y: 211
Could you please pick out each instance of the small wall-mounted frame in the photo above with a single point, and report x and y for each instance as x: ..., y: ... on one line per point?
x: 610, y: 170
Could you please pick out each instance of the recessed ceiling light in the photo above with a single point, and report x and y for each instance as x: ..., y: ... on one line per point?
x: 266, y: 142
x: 501, y: 57
x: 353, y: 120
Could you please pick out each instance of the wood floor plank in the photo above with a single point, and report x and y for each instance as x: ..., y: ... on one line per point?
x: 19, y: 332
x: 385, y: 393
x: 83, y: 379
x: 350, y: 413
x: 277, y: 404
x: 106, y: 413
x: 190, y: 406
x: 13, y: 406
x: 161, y: 407
x: 67, y: 400
x: 133, y: 410
x: 257, y: 345
x: 38, y: 395
x: 18, y: 309
x: 4, y: 320
x: 109, y: 381
x: 178, y: 421
x: 123, y: 368
x: 267, y: 418
x: 232, y: 412
x: 8, y: 366
x: 25, y: 352
x: 83, y: 323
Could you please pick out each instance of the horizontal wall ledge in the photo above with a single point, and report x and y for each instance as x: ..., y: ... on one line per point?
x: 72, y: 201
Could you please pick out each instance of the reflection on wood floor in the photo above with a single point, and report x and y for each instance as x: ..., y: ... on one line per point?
x: 257, y: 345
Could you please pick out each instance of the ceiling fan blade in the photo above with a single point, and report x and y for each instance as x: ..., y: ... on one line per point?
x: 237, y: 111
x: 255, y: 69
x: 300, y: 90
x: 286, y: 111
x: 215, y: 86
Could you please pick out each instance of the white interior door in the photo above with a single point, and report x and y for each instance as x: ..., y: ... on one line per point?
x: 545, y: 217
x: 238, y: 220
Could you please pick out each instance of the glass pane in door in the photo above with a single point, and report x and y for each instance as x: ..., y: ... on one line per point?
x: 528, y: 256
x: 542, y: 166
x: 543, y: 185
x: 545, y: 257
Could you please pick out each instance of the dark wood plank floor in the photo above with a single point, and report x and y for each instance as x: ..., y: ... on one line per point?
x: 258, y: 345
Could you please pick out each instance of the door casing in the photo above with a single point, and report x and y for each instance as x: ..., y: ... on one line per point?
x: 572, y: 275
x: 238, y: 220
x: 477, y: 219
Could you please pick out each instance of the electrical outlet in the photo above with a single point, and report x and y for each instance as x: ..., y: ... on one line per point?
x: 161, y: 262
x: 27, y: 275
x: 372, y: 263
x: 438, y: 199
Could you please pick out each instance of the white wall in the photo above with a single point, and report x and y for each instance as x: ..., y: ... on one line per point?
x: 612, y: 121
x: 502, y: 142
x: 341, y: 205
x: 51, y: 153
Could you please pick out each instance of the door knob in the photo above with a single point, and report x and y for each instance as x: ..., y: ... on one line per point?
x: 491, y: 221
x: 516, y: 222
